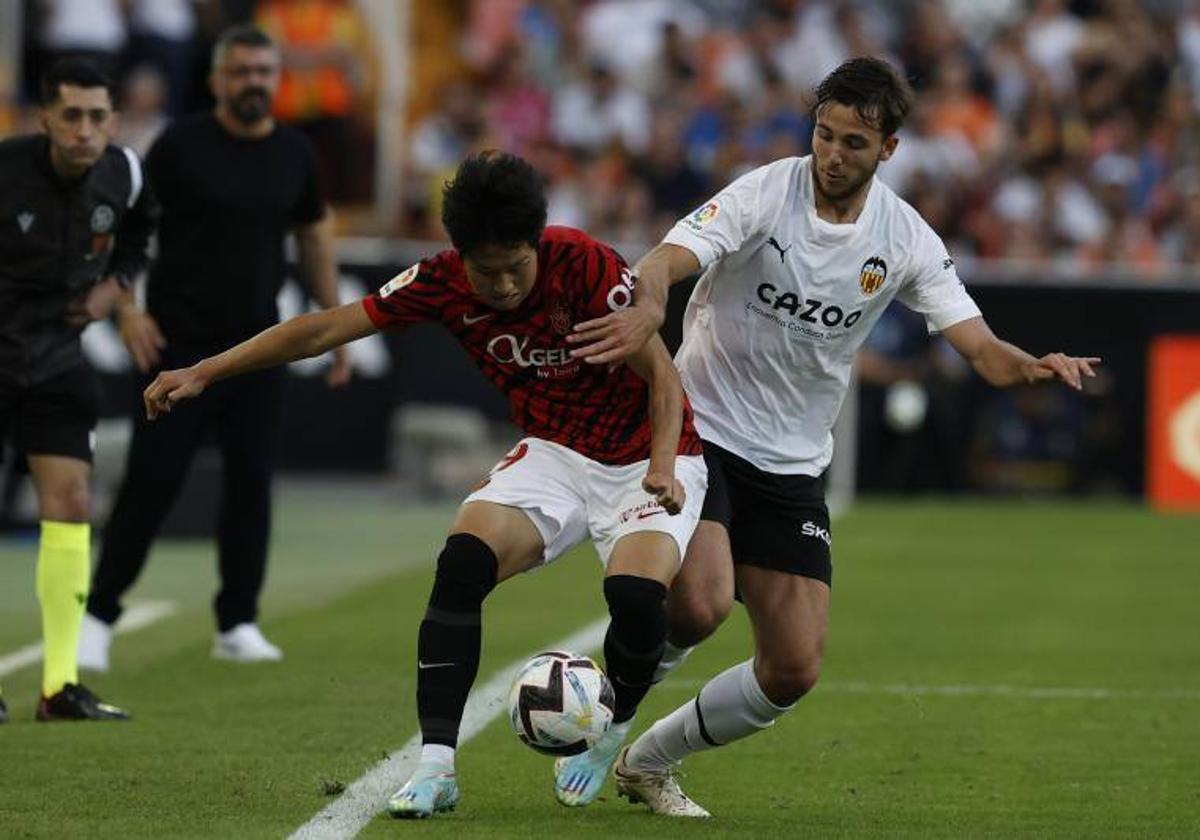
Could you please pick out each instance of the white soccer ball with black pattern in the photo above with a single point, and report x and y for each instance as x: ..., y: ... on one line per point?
x: 560, y: 703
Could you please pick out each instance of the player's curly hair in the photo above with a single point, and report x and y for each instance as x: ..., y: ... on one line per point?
x: 873, y: 87
x: 495, y: 198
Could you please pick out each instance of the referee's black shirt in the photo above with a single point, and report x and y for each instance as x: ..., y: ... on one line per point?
x: 58, y: 239
x: 227, y: 206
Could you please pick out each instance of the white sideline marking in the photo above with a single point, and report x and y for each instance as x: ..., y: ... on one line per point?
x: 366, y: 797
x: 1022, y: 692
x: 135, y: 618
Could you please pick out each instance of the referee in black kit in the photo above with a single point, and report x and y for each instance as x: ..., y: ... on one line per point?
x: 75, y: 221
x: 232, y: 185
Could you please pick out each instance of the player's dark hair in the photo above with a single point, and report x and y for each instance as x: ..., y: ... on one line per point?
x: 241, y: 35
x: 77, y: 72
x: 873, y: 87
x: 495, y: 198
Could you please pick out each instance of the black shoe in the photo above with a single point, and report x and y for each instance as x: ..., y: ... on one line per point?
x: 75, y: 702
x: 3, y: 711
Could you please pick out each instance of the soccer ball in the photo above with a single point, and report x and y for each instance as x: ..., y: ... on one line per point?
x: 560, y: 703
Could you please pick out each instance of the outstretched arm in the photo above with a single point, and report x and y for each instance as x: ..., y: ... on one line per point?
x: 653, y: 364
x: 299, y: 338
x: 315, y: 245
x: 1003, y: 364
x: 616, y: 337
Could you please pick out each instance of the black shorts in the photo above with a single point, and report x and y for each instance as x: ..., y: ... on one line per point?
x: 55, y: 417
x: 774, y: 521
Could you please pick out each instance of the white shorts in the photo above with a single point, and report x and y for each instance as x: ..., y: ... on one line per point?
x: 569, y: 497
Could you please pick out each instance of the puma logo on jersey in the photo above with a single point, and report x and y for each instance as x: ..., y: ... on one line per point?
x: 812, y: 529
x: 774, y: 243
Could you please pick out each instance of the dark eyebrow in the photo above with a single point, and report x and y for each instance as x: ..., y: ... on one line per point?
x: 488, y: 269
x: 852, y: 135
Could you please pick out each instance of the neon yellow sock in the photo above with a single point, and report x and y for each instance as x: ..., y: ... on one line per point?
x: 62, y: 587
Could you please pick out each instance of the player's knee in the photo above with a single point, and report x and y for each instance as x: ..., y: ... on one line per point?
x: 69, y: 501
x: 786, y: 679
x: 635, y: 605
x: 466, y: 572
x: 696, y: 614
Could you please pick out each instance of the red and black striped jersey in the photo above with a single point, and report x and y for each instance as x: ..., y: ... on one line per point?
x: 604, y: 416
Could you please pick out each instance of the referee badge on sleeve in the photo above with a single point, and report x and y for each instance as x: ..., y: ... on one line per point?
x: 400, y: 280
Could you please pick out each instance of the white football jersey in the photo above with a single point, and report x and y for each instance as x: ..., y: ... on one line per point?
x: 785, y: 301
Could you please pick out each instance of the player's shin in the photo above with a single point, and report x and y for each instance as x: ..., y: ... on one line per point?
x: 449, y: 642
x: 729, y: 707
x: 62, y: 587
x: 634, y: 642
x: 632, y: 647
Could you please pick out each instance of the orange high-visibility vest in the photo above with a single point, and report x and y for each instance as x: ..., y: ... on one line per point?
x: 311, y: 92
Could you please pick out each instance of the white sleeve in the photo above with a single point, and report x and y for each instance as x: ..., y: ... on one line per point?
x: 722, y: 224
x: 932, y: 287
x: 135, y: 175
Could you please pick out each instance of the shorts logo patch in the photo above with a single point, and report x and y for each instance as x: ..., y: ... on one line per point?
x: 643, y: 511
x: 812, y: 529
x: 400, y: 280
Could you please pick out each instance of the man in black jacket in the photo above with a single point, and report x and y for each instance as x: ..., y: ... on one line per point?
x: 74, y: 224
x: 232, y: 184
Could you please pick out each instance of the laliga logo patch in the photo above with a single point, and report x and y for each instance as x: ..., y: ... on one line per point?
x: 872, y: 275
x: 102, y: 219
x: 560, y: 316
x: 702, y: 217
x: 400, y: 280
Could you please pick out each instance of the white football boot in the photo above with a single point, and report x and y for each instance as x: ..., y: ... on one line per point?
x: 656, y: 788
x: 245, y: 643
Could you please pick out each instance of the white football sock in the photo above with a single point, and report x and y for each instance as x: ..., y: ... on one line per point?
x: 729, y: 707
x: 672, y: 658
x: 438, y: 754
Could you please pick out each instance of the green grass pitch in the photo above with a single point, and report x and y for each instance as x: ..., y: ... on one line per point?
x: 993, y: 670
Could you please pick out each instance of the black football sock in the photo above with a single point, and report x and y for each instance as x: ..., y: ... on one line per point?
x: 449, y: 640
x: 635, y: 638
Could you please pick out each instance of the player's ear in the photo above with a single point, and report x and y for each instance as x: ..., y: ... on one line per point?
x: 889, y: 147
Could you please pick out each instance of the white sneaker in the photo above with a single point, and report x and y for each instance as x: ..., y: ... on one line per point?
x: 94, y: 639
x: 245, y: 643
x: 657, y: 788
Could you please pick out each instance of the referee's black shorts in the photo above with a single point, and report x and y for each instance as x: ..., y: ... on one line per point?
x: 774, y: 521
x: 55, y: 417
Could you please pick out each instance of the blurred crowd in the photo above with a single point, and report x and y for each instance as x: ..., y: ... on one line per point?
x: 1045, y: 130
x: 1048, y: 131
x: 158, y: 51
